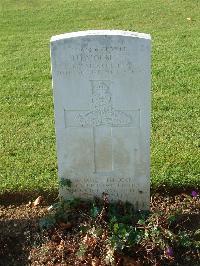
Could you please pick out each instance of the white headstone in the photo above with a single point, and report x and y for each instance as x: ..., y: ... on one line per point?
x: 101, y: 83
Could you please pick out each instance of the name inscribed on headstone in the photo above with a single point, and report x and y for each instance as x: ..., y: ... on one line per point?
x: 97, y: 61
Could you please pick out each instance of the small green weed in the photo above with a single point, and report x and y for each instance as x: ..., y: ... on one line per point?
x: 67, y: 183
x: 63, y: 211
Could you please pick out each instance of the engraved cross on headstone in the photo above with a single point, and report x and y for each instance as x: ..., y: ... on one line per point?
x: 102, y: 118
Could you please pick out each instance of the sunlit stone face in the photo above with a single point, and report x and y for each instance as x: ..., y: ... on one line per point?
x: 101, y: 83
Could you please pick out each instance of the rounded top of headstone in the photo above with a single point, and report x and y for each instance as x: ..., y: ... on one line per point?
x: 101, y: 33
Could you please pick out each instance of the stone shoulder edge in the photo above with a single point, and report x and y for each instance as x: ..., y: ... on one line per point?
x: 100, y: 33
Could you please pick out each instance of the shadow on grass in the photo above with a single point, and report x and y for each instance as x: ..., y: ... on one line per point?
x: 19, y: 197
x: 172, y: 191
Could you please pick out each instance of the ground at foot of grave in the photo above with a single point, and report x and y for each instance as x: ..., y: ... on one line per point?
x: 23, y: 243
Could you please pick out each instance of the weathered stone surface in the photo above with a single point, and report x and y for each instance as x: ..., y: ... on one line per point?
x: 101, y: 83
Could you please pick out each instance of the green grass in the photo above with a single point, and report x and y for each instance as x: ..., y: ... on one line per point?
x: 27, y: 138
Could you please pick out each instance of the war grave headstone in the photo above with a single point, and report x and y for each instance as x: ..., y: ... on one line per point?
x: 101, y: 85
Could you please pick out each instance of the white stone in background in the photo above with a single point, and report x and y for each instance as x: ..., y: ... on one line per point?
x: 101, y: 83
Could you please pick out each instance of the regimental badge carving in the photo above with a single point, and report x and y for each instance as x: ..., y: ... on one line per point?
x: 102, y: 111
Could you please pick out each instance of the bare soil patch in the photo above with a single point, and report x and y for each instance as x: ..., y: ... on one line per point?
x: 23, y: 243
